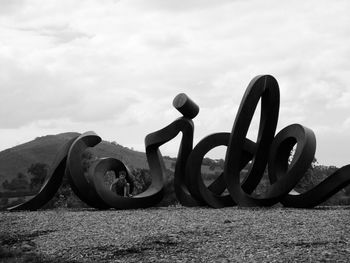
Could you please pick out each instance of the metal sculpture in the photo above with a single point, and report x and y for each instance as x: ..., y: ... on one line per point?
x: 269, y: 150
x: 51, y: 183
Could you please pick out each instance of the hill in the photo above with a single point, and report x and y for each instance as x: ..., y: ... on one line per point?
x: 43, y: 150
x: 19, y: 158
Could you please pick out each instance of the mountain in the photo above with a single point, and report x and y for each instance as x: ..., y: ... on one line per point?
x: 19, y: 158
x: 43, y: 150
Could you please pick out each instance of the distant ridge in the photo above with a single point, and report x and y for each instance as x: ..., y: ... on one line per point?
x: 43, y: 149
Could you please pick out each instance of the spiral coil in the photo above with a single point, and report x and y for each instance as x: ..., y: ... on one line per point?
x: 269, y: 150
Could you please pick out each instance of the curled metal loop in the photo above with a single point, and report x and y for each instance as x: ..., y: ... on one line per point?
x: 270, y: 152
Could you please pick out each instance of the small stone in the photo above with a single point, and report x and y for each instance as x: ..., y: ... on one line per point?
x: 26, y: 247
x: 227, y: 221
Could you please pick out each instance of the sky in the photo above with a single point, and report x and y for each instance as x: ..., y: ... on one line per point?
x: 114, y: 67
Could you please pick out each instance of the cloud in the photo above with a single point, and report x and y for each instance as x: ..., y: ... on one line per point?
x: 180, y: 6
x: 60, y: 34
x: 37, y: 94
x: 7, y: 7
x: 116, y: 65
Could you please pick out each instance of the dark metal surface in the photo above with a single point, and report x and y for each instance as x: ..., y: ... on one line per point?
x: 51, y: 183
x: 321, y: 192
x: 79, y: 182
x: 212, y: 195
x: 146, y: 199
x: 154, y: 140
x: 268, y: 151
x: 187, y: 107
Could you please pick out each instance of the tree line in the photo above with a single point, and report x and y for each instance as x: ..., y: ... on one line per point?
x: 29, y: 183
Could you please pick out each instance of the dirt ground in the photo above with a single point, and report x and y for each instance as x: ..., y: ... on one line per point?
x: 177, y: 234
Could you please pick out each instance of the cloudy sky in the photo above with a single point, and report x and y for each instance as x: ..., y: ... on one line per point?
x: 114, y: 67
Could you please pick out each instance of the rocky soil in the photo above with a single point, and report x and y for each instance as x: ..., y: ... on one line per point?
x: 177, y: 234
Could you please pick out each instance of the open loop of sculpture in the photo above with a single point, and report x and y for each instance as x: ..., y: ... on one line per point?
x: 268, y: 151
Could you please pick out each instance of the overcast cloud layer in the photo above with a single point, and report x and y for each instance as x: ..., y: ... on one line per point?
x: 115, y: 66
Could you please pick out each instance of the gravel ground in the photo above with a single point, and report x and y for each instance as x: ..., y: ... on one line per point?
x: 177, y: 234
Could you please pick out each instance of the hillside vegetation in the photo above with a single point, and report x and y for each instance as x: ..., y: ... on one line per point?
x: 43, y: 150
x: 19, y: 158
x: 23, y: 169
